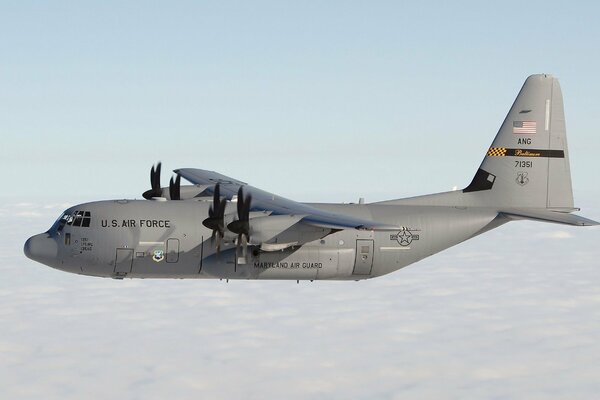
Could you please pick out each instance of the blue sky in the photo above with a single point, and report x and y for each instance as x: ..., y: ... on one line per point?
x: 317, y: 101
x: 302, y: 99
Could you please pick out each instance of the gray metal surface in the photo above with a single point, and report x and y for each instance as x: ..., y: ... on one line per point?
x: 363, y: 261
x: 524, y: 175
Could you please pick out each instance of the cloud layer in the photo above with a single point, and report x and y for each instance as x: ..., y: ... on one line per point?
x: 509, y: 313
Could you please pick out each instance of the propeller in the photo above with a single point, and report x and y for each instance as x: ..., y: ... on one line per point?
x: 175, y: 188
x: 216, y: 214
x: 241, y: 226
x: 155, y: 190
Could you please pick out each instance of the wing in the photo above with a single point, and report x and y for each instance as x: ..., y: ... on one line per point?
x: 277, y: 205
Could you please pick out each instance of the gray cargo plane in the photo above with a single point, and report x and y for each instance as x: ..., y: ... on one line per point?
x: 220, y: 227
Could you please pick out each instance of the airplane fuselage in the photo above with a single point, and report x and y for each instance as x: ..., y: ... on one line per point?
x: 221, y: 227
x: 166, y: 239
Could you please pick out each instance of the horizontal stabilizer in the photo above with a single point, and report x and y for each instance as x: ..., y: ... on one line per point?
x: 548, y: 216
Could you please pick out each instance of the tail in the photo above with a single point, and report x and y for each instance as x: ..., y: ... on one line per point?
x: 527, y: 164
x: 525, y: 173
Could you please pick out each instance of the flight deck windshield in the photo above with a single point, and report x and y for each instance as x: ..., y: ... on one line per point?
x: 76, y: 218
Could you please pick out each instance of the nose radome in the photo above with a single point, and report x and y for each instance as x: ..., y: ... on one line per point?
x: 41, y: 248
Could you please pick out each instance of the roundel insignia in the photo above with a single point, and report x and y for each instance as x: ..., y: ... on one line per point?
x: 158, y: 255
x: 404, y: 238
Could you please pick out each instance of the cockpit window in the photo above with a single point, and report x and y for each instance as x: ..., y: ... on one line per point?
x: 76, y: 218
x: 87, y: 218
x: 62, y: 222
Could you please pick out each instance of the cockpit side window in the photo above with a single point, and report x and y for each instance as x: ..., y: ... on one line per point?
x: 62, y: 222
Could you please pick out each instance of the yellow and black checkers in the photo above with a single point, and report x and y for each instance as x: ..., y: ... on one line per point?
x: 496, y: 152
x: 504, y: 152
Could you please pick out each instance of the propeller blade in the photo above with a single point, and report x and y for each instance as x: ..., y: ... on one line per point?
x: 156, y: 182
x: 241, y: 226
x: 175, y: 188
x: 218, y: 244
x: 155, y: 189
x: 215, y: 220
x: 244, y: 246
x: 247, y: 203
x: 221, y: 208
x: 217, y: 195
x: 240, y: 202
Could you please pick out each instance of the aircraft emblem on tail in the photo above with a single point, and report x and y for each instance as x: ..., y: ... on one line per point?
x: 522, y: 178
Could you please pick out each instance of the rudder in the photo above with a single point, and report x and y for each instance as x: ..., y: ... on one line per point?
x: 527, y: 164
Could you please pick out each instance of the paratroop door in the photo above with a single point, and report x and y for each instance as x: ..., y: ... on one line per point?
x: 364, y: 257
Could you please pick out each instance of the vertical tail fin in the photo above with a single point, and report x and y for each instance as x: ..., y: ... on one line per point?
x: 527, y: 164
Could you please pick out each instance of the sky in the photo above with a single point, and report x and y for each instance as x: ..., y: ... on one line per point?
x: 316, y: 101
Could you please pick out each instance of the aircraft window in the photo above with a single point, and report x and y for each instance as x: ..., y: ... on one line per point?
x: 86, y: 222
x: 62, y: 222
x: 87, y: 218
x: 78, y: 218
x: 68, y: 239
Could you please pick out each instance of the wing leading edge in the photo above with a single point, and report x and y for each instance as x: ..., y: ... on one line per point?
x: 277, y: 205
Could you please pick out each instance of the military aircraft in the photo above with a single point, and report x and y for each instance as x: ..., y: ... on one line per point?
x: 220, y: 227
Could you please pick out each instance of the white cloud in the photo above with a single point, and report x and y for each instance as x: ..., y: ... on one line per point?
x: 556, y: 235
x: 56, y: 206
x: 29, y: 213
x: 507, y: 313
x: 25, y: 205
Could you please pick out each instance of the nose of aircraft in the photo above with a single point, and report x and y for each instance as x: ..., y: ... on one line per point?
x: 41, y: 248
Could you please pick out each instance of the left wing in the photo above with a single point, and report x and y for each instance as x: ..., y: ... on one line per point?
x: 277, y: 205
